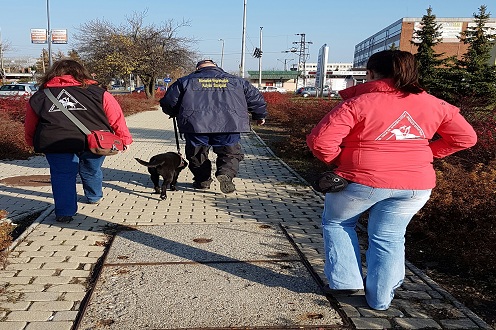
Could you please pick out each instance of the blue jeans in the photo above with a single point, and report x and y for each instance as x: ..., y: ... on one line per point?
x: 390, y: 211
x: 64, y: 169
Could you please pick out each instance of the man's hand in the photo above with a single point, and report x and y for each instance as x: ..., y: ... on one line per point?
x: 261, y: 121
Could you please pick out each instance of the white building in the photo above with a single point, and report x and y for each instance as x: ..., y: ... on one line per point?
x: 339, y: 75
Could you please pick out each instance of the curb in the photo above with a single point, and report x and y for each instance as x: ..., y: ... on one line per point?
x: 28, y: 230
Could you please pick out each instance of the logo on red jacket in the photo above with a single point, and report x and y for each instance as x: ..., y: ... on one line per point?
x: 403, y: 128
x: 68, y: 101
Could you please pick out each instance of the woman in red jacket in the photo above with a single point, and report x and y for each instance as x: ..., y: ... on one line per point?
x: 64, y: 145
x: 380, y: 139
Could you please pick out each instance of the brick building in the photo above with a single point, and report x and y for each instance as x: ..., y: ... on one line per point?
x: 400, y: 33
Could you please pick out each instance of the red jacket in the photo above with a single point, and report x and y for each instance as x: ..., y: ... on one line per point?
x: 111, y: 108
x: 381, y: 137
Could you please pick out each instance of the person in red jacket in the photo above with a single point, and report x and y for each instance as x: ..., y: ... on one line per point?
x: 381, y: 140
x: 49, y: 131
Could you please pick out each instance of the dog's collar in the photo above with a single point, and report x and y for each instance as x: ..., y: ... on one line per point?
x: 182, y: 159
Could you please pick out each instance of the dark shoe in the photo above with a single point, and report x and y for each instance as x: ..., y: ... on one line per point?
x: 63, y: 218
x: 226, y: 184
x: 328, y: 290
x: 94, y: 202
x: 202, y: 184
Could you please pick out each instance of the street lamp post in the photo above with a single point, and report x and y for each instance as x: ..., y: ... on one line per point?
x: 243, y: 41
x: 286, y: 60
x: 222, y: 53
x: 260, y: 61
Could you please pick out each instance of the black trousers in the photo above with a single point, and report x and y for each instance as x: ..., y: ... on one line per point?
x: 227, y: 162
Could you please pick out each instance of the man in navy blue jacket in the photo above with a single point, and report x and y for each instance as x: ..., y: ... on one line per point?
x: 212, y: 109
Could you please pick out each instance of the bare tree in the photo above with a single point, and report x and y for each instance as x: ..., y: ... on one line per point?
x: 146, y: 51
x: 4, y: 46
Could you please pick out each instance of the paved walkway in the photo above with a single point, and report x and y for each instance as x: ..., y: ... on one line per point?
x: 53, y: 267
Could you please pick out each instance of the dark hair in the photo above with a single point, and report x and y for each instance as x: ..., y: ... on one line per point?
x: 204, y: 62
x: 398, y: 65
x: 67, y: 67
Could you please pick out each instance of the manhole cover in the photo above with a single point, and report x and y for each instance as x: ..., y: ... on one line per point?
x: 27, y: 180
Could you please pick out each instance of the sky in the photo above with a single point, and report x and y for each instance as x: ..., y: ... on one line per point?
x: 216, y: 23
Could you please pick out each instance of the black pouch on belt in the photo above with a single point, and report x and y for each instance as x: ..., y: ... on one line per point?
x: 329, y: 182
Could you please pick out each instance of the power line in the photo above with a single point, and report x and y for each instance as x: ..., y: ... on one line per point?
x: 303, y: 54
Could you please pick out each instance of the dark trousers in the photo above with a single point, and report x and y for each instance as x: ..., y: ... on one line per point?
x: 227, y: 162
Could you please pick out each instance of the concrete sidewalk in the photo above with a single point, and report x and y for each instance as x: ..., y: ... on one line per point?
x: 200, y: 259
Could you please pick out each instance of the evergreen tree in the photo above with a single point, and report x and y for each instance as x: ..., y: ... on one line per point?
x: 428, y: 60
x: 477, y: 87
x: 480, y: 40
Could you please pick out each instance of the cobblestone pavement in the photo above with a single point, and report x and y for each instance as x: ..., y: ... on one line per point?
x: 50, y: 266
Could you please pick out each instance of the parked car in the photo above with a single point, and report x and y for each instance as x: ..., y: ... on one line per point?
x: 18, y: 90
x: 139, y: 89
x: 265, y: 89
x: 312, y: 91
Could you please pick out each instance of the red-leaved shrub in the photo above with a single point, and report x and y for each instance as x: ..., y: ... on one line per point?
x: 13, y: 107
x: 12, y: 114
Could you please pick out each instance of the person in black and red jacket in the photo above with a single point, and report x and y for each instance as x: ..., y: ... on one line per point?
x: 49, y: 131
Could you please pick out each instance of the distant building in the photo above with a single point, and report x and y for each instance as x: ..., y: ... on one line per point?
x: 338, y: 76
x: 283, y: 79
x: 400, y: 34
x: 18, y: 69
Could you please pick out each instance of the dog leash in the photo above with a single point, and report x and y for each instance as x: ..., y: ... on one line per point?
x: 177, y: 135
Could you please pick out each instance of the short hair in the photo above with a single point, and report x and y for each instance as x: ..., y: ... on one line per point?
x: 204, y: 62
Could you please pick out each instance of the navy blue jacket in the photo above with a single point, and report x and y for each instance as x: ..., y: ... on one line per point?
x: 210, y: 100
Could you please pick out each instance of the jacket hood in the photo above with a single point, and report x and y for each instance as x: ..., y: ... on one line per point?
x: 67, y: 80
x: 382, y: 85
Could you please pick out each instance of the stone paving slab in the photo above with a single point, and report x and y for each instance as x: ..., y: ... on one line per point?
x: 185, y: 296
x: 181, y: 293
x: 268, y: 192
x: 203, y: 243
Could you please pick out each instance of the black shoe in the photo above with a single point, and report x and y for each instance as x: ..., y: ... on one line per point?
x: 63, y: 218
x: 202, y: 184
x: 328, y: 290
x: 226, y: 184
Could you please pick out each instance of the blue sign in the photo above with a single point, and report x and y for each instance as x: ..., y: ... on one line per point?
x: 167, y: 80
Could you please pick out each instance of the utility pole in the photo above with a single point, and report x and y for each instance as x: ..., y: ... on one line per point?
x: 49, y: 36
x: 303, y: 55
x: 260, y: 61
x: 243, y: 41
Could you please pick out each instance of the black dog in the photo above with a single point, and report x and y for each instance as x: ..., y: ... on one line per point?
x: 168, y: 166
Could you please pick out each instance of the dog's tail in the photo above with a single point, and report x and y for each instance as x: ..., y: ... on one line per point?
x: 152, y: 163
x: 142, y: 162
